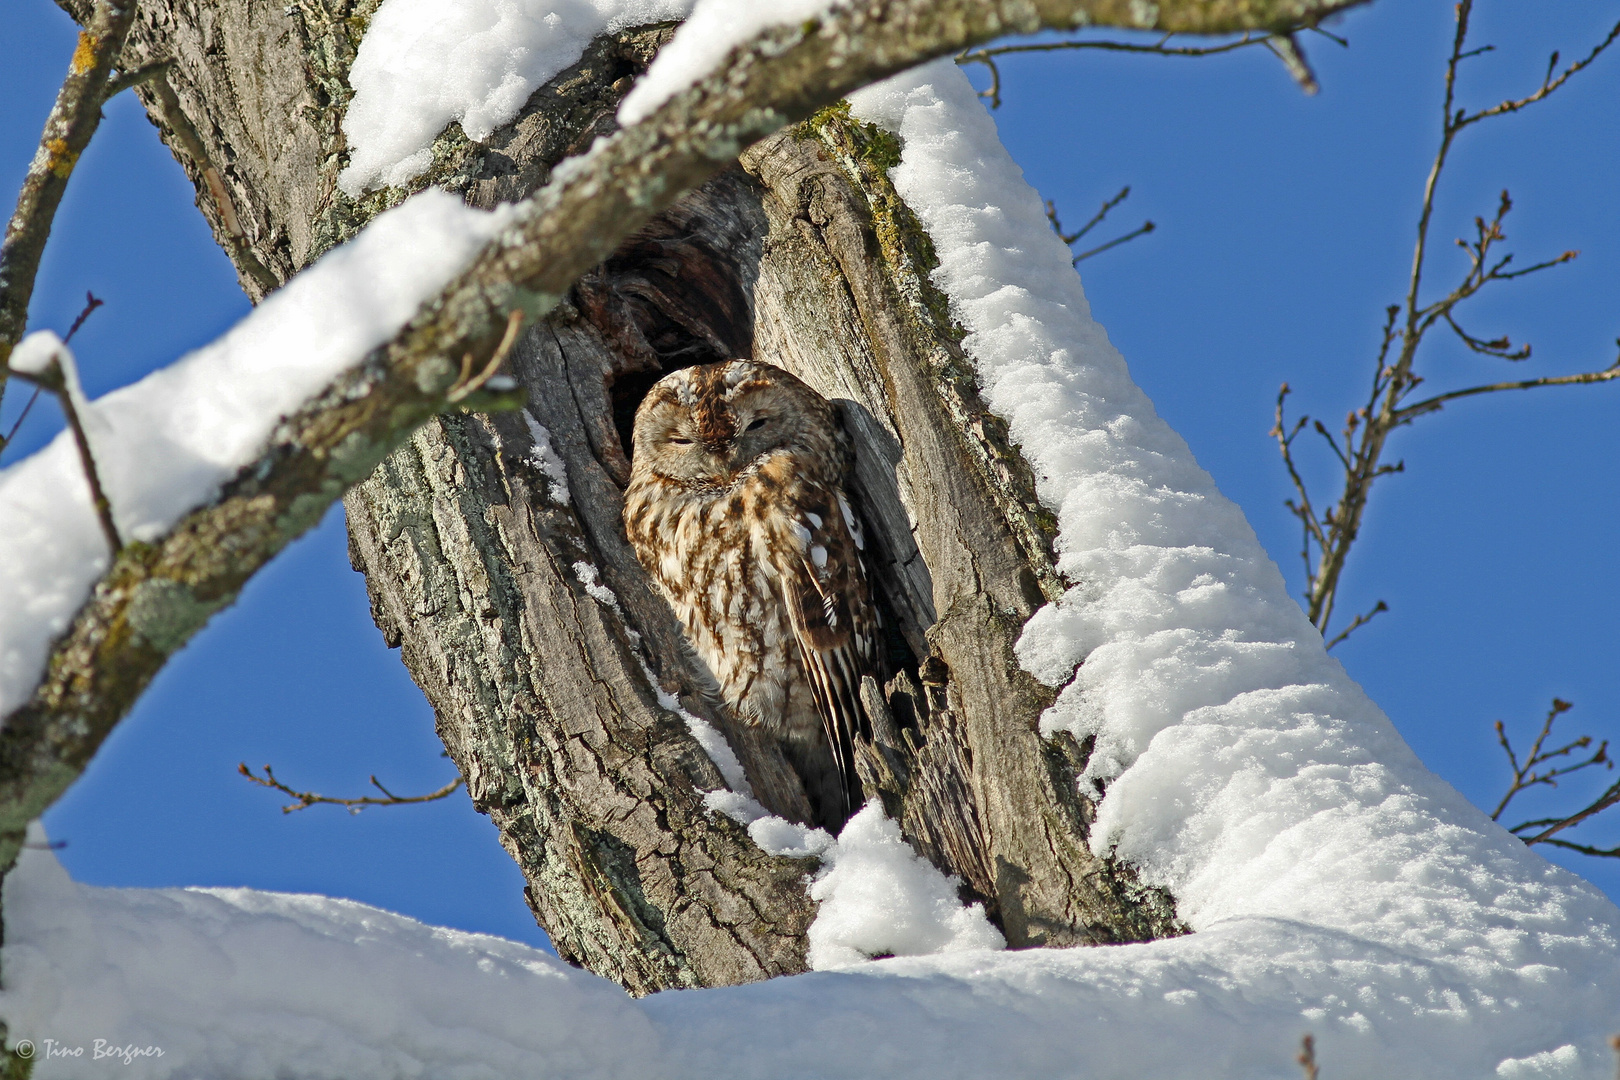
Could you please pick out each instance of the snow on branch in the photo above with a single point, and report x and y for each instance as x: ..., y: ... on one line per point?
x: 161, y: 591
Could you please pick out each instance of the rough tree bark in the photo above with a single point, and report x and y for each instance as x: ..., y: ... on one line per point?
x: 515, y: 599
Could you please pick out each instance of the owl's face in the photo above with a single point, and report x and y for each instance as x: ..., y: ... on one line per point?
x: 702, y: 426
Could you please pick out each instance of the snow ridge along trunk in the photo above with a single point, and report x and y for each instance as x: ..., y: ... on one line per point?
x: 516, y: 601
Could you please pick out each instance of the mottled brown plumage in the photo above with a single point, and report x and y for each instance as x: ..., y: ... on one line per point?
x: 736, y: 508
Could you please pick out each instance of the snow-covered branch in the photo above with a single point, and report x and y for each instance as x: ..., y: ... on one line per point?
x: 157, y: 594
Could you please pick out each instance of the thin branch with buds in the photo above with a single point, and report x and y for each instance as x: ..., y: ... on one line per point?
x: 1360, y: 447
x: 1284, y: 44
x: 1545, y: 767
x: 1096, y: 219
x: 307, y: 799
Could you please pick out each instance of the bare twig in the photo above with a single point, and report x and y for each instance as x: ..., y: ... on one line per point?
x: 309, y: 798
x: 1283, y: 43
x: 1307, y: 1058
x: 1358, y: 622
x: 90, y: 305
x: 73, y: 120
x: 469, y: 382
x: 59, y: 377
x: 124, y: 80
x: 1538, y: 769
x: 1359, y: 451
x: 1141, y: 230
x: 1434, y: 404
x: 1287, y: 49
x: 1610, y: 797
x: 1524, y: 775
x: 91, y: 302
x: 987, y: 56
x: 1096, y: 219
x: 49, y: 845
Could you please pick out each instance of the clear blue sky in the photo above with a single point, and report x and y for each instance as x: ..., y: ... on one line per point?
x: 1285, y: 227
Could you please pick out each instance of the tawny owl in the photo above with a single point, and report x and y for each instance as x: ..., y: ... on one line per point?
x: 736, y: 508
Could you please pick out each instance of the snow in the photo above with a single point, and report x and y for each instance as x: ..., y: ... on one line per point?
x: 164, y: 445
x: 1334, y: 885
x: 425, y: 63
x: 238, y: 983
x: 714, y: 28
x: 544, y: 458
x: 880, y: 898
x: 773, y: 835
x: 34, y: 354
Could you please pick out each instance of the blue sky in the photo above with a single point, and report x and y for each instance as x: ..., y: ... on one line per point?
x: 1285, y: 226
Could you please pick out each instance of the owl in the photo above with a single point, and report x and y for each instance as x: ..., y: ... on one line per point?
x: 737, y: 511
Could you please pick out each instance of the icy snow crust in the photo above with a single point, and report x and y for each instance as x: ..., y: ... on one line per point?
x: 164, y: 445
x: 1334, y: 884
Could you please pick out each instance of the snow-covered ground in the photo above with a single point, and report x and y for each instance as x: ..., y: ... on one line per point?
x: 1334, y: 884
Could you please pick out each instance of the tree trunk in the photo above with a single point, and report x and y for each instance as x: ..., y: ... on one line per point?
x: 509, y: 586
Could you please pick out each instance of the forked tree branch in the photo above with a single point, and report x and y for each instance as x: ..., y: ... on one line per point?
x: 72, y: 121
x: 1096, y: 219
x: 305, y: 799
x: 1328, y: 537
x: 1282, y: 41
x: 101, y: 665
x: 1539, y: 768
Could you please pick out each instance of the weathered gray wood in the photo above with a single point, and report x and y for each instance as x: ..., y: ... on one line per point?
x: 814, y: 264
x: 844, y: 302
x: 544, y: 705
x: 540, y: 692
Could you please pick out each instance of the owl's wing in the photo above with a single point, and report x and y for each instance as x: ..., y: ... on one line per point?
x: 830, y: 609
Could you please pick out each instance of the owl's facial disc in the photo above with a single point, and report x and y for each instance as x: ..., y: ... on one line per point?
x: 706, y: 425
